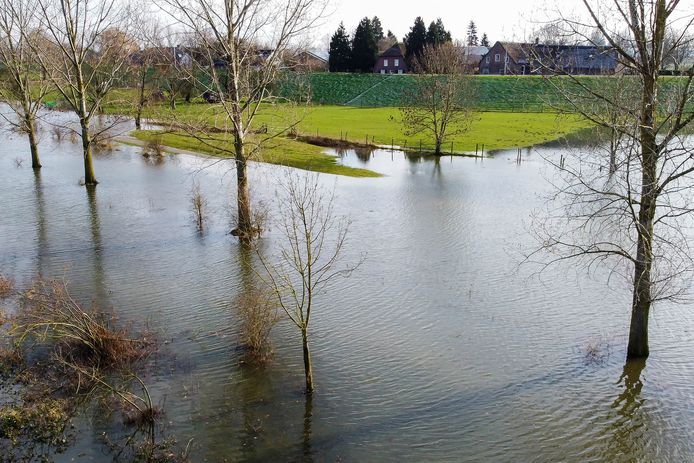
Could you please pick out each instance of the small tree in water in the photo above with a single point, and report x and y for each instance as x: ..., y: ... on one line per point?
x: 441, y: 103
x: 309, y: 257
x: 22, y: 86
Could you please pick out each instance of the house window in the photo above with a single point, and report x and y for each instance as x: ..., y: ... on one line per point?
x: 396, y: 62
x: 399, y: 71
x: 383, y: 71
x: 487, y: 60
x: 497, y: 58
x: 385, y: 63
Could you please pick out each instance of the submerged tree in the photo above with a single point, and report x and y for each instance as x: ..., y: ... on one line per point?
x: 309, y: 258
x: 239, y: 50
x: 86, y: 59
x: 22, y: 85
x: 441, y: 102
x: 633, y: 218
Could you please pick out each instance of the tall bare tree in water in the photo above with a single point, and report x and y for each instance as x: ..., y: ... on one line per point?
x: 90, y: 47
x: 22, y: 85
x: 309, y: 257
x: 635, y: 218
x: 240, y: 45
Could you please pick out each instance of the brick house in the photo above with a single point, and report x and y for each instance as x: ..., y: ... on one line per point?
x: 391, y: 61
x: 508, y: 58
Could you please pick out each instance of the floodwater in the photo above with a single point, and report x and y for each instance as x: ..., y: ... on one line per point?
x: 438, y: 348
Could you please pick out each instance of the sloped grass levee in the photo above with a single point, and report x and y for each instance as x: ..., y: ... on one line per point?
x: 495, y: 93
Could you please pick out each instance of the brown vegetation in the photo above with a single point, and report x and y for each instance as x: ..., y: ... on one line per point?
x: 48, y: 313
x: 6, y: 287
x: 258, y: 310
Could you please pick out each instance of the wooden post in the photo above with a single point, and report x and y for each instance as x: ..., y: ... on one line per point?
x: 366, y: 140
x: 451, y: 148
x: 392, y: 144
x: 420, y: 145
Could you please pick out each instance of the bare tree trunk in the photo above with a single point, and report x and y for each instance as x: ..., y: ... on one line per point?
x: 141, y: 100
x: 89, y: 177
x: 308, y: 369
x: 638, y: 331
x: 244, y: 228
x: 33, y: 143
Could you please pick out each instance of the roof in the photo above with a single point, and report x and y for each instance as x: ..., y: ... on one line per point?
x: 476, y: 51
x: 394, y: 51
x: 319, y: 54
x: 516, y: 51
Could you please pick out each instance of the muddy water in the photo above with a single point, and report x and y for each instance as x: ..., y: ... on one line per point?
x: 439, y: 348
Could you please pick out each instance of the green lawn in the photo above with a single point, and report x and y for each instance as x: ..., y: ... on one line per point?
x: 494, y: 130
x: 280, y: 151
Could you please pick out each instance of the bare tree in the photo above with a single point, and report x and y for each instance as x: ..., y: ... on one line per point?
x: 90, y: 47
x: 239, y: 49
x: 441, y: 102
x: 634, y: 219
x: 22, y: 86
x: 309, y: 258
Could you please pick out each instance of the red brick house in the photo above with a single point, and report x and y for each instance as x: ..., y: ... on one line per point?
x: 391, y: 61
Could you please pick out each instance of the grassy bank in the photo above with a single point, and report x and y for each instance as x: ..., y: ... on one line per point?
x: 383, y: 126
x: 280, y: 151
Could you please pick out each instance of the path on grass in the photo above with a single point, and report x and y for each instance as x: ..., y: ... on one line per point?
x: 349, y: 103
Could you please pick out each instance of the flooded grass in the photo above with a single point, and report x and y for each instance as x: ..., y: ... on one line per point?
x: 280, y: 151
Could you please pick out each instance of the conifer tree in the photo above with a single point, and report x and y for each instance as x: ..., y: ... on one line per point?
x: 340, y: 56
x: 485, y: 41
x: 472, y: 40
x: 415, y: 41
x: 364, y: 47
x: 437, y: 33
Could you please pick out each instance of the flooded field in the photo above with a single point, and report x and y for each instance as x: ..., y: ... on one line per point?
x: 439, y: 348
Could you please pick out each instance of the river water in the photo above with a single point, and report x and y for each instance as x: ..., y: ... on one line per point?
x: 438, y: 348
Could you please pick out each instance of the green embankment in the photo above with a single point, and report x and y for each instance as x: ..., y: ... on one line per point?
x: 495, y: 93
x: 280, y: 151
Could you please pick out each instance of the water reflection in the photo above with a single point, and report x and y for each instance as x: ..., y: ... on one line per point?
x: 627, y: 437
x: 41, y: 225
x: 99, y: 278
x: 307, y: 452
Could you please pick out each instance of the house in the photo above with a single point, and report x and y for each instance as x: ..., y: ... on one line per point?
x: 391, y: 61
x: 509, y: 58
x: 311, y: 60
x: 473, y: 56
x: 506, y: 58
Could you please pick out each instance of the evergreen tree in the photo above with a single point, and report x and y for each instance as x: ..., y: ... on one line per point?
x: 340, y: 57
x: 364, y: 47
x: 415, y: 41
x: 485, y: 41
x: 472, y: 40
x: 390, y: 35
x: 377, y: 28
x: 437, y: 34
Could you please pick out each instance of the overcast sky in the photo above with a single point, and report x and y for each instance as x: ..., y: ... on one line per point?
x: 500, y: 19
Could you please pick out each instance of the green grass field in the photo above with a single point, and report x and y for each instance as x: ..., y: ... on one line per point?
x: 382, y: 126
x: 280, y: 151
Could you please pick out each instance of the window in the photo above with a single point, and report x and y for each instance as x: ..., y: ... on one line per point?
x: 399, y: 71
x: 383, y: 71
x: 396, y: 62
x: 487, y: 59
x: 385, y: 63
x: 497, y: 58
